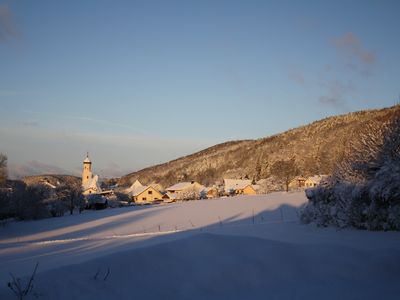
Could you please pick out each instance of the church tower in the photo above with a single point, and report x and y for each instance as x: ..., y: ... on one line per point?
x: 87, y: 170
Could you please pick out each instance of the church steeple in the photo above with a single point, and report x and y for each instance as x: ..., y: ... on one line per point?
x: 87, y: 170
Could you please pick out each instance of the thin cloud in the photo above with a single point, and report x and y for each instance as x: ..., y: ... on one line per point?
x: 90, y: 120
x: 7, y: 25
x: 336, y: 94
x: 351, y: 46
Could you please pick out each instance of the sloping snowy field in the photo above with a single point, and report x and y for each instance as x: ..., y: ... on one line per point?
x: 247, y: 247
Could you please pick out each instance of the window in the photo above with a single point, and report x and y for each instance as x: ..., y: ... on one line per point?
x: 150, y: 192
x: 144, y: 199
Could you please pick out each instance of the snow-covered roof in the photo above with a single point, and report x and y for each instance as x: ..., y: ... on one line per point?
x: 236, y: 184
x: 93, y: 183
x: 139, y: 190
x: 133, y: 187
x: 172, y: 196
x: 316, y: 178
x: 182, y: 185
x: 87, y: 160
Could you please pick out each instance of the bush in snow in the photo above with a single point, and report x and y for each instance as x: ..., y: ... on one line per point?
x: 364, y: 189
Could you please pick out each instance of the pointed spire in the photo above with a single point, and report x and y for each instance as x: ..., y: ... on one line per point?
x: 87, y: 160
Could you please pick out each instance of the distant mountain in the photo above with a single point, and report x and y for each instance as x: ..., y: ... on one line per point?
x: 316, y: 148
x: 30, y: 168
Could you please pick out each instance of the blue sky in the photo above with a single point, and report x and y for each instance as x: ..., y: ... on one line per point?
x: 141, y: 82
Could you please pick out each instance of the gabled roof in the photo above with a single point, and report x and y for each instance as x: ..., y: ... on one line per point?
x: 236, y: 184
x: 317, y: 178
x: 182, y: 185
x: 172, y: 196
x: 133, y: 187
x: 136, y: 191
x: 139, y: 190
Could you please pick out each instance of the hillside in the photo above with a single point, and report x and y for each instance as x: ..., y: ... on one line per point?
x: 316, y: 147
x: 53, y: 179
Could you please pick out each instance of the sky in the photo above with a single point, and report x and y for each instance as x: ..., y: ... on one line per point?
x: 137, y: 83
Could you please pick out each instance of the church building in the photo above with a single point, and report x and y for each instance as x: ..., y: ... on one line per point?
x: 90, y: 182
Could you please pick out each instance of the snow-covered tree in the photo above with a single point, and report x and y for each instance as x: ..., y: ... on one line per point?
x: 191, y: 193
x: 364, y: 190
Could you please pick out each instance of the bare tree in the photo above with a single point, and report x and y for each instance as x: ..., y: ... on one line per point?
x: 71, y: 196
x: 285, y: 170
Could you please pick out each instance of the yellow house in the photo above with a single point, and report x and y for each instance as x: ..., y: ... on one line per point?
x: 143, y: 193
x: 247, y: 190
x: 298, y: 182
x: 314, y: 180
x: 146, y: 194
x: 239, y: 187
x: 212, y: 192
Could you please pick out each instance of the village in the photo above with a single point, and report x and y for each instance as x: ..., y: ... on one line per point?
x: 139, y: 194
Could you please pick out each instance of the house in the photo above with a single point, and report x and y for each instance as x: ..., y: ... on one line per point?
x: 315, y: 180
x: 90, y: 182
x: 211, y: 192
x: 143, y: 193
x: 187, y: 189
x: 239, y: 187
x: 298, y: 182
x: 169, y: 197
x: 146, y: 194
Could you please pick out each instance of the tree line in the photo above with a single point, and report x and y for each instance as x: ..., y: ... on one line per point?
x: 21, y: 201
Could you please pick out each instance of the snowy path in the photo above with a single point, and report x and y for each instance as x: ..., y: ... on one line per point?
x: 198, y: 245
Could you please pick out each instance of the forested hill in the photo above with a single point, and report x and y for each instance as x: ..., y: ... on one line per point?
x: 55, y: 180
x: 316, y: 147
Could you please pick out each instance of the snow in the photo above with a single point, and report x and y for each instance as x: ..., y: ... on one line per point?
x: 244, y: 247
x: 184, y: 185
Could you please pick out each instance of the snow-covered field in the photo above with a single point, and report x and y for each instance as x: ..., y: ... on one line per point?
x: 246, y: 247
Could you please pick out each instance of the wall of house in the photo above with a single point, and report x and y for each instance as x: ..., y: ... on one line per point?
x: 213, y: 193
x: 148, y: 195
x: 248, y: 190
x: 310, y: 183
x: 90, y: 191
